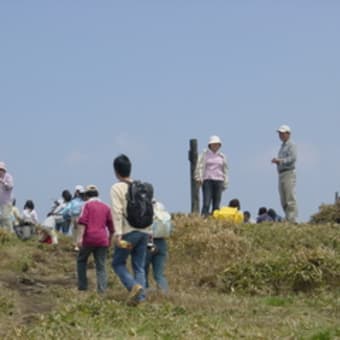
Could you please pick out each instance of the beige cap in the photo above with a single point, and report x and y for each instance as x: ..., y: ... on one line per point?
x: 91, y: 187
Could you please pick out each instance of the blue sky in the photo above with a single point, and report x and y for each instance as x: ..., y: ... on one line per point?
x: 83, y: 81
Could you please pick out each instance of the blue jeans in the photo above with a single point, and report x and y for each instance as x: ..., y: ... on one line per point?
x: 139, y: 241
x: 64, y: 226
x: 212, y: 193
x: 99, y: 254
x: 157, y: 261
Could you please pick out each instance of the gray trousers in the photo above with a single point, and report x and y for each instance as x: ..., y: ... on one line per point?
x: 287, y: 184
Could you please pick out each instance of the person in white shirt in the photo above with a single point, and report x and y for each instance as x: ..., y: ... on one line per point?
x: 29, y: 214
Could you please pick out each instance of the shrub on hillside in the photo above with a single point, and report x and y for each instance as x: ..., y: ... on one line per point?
x: 328, y: 213
x: 299, y: 271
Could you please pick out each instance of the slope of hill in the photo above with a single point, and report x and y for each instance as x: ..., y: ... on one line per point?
x: 250, y: 281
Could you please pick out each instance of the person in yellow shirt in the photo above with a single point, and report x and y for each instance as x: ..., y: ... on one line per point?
x: 231, y: 213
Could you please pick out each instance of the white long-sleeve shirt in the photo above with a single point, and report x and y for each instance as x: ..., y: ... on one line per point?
x: 30, y: 216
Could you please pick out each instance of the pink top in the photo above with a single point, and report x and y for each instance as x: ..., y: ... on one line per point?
x: 97, y: 219
x: 213, y: 166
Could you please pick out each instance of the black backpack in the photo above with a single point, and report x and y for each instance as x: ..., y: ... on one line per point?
x: 139, y: 204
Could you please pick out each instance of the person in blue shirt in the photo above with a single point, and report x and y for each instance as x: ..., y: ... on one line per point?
x: 72, y: 212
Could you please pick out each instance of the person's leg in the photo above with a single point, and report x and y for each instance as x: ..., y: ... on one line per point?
x: 120, y: 257
x: 289, y: 184
x: 82, y: 258
x: 58, y: 226
x: 217, y: 189
x: 207, y: 196
x: 74, y: 231
x: 99, y: 254
x: 147, y: 266
x: 6, y: 219
x: 158, y: 264
x: 66, y: 226
x: 138, y: 255
x: 282, y: 193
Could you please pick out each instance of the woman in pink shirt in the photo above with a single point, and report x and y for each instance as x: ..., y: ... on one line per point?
x: 212, y: 173
x: 95, y: 233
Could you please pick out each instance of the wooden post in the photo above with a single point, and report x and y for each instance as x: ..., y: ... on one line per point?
x: 337, y: 198
x: 193, y: 156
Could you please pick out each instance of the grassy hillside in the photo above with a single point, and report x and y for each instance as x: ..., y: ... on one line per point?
x: 251, y: 281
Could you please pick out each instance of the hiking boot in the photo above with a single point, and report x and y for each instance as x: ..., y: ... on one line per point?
x: 134, y: 293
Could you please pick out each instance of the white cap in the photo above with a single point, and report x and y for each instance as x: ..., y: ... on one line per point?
x: 79, y: 188
x: 214, y: 139
x: 284, y: 128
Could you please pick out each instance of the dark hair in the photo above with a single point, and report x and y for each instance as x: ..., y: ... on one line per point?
x: 92, y: 193
x: 262, y: 210
x: 29, y: 205
x: 272, y: 213
x: 246, y: 213
x: 122, y: 165
x: 235, y: 203
x: 66, y: 195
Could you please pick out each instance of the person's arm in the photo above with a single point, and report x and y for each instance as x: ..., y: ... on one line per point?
x: 80, y: 236
x: 117, y: 211
x: 34, y: 217
x: 7, y: 181
x: 225, y: 173
x: 81, y: 226
x: 110, y: 226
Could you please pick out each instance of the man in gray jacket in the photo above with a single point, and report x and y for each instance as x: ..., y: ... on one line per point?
x: 285, y: 163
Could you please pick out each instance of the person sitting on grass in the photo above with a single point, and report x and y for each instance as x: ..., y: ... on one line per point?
x: 263, y: 216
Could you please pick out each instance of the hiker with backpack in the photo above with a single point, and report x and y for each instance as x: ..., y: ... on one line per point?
x: 132, y: 213
x: 158, y: 247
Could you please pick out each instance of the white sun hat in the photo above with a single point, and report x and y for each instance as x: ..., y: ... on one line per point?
x: 214, y: 140
x: 3, y: 166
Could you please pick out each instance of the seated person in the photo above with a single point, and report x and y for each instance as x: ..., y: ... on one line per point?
x: 263, y: 216
x: 231, y: 213
x: 276, y: 218
x: 247, y: 217
x: 29, y: 214
x: 29, y: 218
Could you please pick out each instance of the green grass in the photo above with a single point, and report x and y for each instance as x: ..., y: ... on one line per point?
x: 227, y: 282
